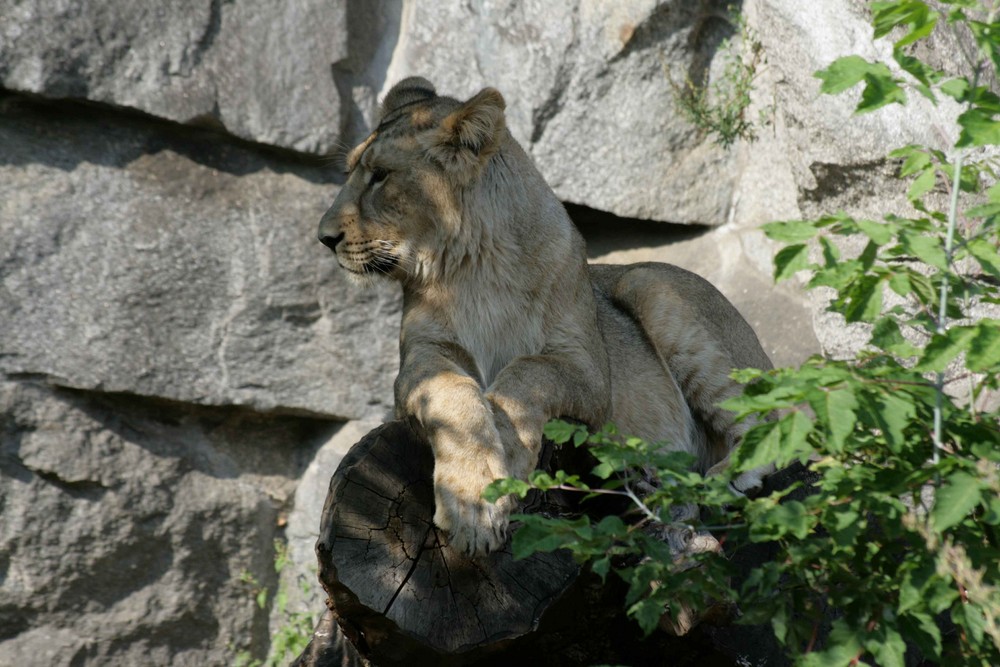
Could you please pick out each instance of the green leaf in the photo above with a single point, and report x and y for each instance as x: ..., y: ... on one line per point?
x: 955, y: 88
x: 978, y: 129
x: 986, y: 38
x: 790, y: 259
x: 960, y: 493
x: 848, y: 525
x: 647, y: 613
x: 921, y: 629
x: 779, y: 623
x: 761, y: 446
x: 984, y: 346
x: 971, y: 618
x: 537, y: 534
x: 560, y: 432
x: 789, y: 518
x: 601, y: 567
x: 921, y: 28
x: 604, y: 470
x: 868, y: 257
x: 865, y: 302
x: 795, y: 428
x: 922, y: 184
x: 831, y: 253
x: 968, y: 182
x: 560, y: 478
x: 993, y: 193
x: 879, y: 232
x: 881, y: 89
x: 899, y: 282
x: 992, y: 515
x: 842, y: 649
x: 913, y: 13
x: 611, y: 525
x: 888, y: 15
x: 790, y: 231
x: 502, y: 487
x: 888, y: 648
x: 984, y: 98
x: 843, y: 73
x: 918, y: 69
x: 926, y: 248
x: 906, y: 151
x: 984, y: 211
x: 886, y: 335
x: 894, y: 412
x: 836, y: 408
x: 945, y: 347
x: 922, y: 288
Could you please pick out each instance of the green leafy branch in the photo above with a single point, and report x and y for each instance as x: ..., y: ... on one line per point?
x: 659, y: 490
x: 901, y: 530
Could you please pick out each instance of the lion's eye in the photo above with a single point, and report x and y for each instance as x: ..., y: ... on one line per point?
x: 378, y: 175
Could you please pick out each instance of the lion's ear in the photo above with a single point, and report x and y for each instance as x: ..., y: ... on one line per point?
x: 409, y: 90
x: 468, y: 136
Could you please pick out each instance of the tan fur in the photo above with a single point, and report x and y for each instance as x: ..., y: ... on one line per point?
x: 505, y: 326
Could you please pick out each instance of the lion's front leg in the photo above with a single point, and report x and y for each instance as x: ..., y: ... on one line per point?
x: 519, y: 423
x: 469, y: 454
x: 532, y: 390
x: 465, y: 462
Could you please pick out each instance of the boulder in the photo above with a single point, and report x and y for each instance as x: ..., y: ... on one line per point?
x: 261, y: 70
x: 127, y: 524
x: 588, y: 90
x: 300, y: 580
x: 146, y: 258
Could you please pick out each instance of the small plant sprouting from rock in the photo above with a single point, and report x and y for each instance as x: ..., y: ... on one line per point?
x: 294, y: 627
x: 896, y: 547
x: 720, y: 108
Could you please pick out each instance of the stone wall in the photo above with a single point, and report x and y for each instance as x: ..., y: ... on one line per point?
x: 179, y: 357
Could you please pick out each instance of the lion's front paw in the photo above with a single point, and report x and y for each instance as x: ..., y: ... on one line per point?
x: 751, y: 482
x: 747, y: 483
x: 474, y: 526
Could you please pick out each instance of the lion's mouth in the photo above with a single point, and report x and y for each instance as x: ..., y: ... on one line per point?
x: 383, y: 265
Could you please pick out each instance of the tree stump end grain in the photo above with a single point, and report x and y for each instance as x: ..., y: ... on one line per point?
x: 395, y: 586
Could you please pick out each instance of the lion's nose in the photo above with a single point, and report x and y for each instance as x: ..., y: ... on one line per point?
x: 331, y: 241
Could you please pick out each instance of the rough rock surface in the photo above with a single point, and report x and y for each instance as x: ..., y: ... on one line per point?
x: 588, y: 84
x: 159, y: 191
x: 140, y: 258
x: 127, y: 523
x: 260, y: 69
x: 304, y: 591
x: 588, y: 93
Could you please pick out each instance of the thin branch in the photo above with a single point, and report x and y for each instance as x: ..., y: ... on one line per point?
x: 641, y: 505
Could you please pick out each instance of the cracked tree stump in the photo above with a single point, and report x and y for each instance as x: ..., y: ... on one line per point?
x: 399, y: 593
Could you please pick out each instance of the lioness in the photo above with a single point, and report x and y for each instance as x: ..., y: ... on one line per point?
x: 505, y: 325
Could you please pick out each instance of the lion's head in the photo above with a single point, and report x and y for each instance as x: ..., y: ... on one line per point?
x: 413, y: 181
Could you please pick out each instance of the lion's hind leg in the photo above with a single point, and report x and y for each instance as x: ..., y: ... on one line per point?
x: 685, y: 329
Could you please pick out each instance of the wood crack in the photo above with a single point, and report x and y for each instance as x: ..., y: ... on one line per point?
x: 409, y: 573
